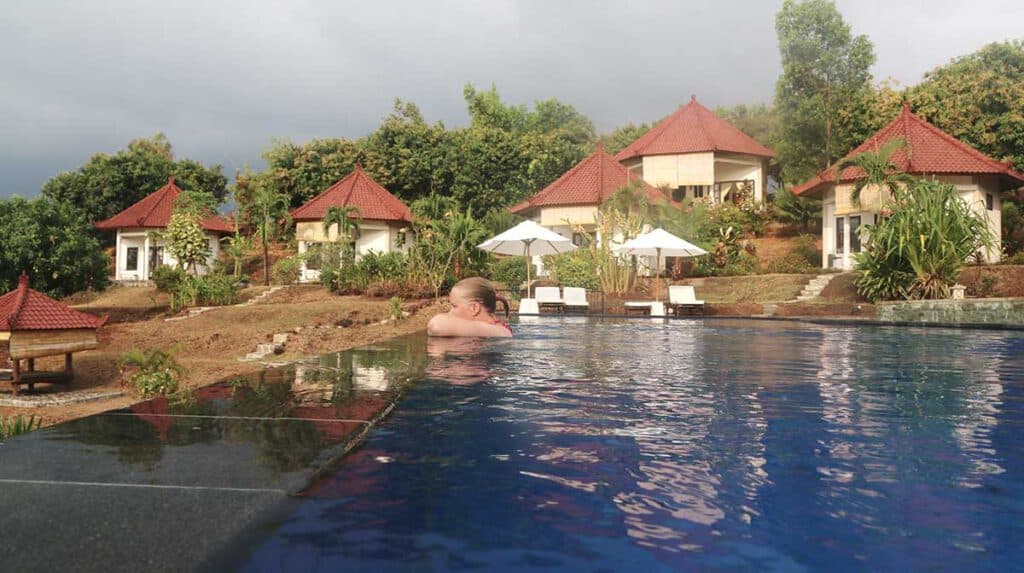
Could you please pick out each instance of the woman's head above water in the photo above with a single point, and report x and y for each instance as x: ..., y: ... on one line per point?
x: 475, y: 291
x: 474, y: 303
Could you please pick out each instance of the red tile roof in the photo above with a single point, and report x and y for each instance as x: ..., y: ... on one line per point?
x: 154, y: 211
x: 929, y: 151
x: 28, y: 309
x: 693, y: 128
x: 590, y: 182
x: 356, y: 189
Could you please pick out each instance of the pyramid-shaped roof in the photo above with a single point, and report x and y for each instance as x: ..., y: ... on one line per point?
x: 929, y: 150
x: 154, y: 212
x: 590, y: 182
x: 693, y: 128
x: 28, y: 309
x: 356, y: 189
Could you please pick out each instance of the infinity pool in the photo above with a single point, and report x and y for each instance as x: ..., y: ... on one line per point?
x: 716, y: 445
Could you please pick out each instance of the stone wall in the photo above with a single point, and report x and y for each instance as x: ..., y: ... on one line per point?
x: 990, y: 311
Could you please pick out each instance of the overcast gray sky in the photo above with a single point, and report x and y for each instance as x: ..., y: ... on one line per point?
x: 221, y: 78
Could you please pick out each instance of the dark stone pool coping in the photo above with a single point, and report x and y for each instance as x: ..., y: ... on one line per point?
x: 832, y: 320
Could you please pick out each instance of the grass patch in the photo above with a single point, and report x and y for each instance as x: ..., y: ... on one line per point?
x: 750, y: 288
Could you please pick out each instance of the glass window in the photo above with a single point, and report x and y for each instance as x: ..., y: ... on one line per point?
x: 989, y: 201
x: 313, y: 258
x: 698, y: 191
x: 577, y: 239
x: 679, y: 193
x: 840, y: 235
x: 156, y: 257
x: 855, y: 234
x: 131, y: 259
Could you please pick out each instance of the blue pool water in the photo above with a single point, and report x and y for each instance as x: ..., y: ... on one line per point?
x: 716, y: 445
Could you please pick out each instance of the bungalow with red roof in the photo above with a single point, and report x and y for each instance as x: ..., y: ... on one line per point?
x: 139, y: 248
x: 384, y: 219
x: 571, y: 201
x: 929, y: 152
x: 699, y: 155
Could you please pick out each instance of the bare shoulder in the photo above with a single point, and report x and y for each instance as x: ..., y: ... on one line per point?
x: 448, y: 325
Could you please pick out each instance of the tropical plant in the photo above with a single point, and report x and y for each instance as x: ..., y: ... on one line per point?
x: 880, y: 173
x: 918, y: 250
x: 791, y: 208
x: 186, y: 239
x: 445, y: 249
x: 237, y: 246
x: 395, y: 308
x: 268, y: 211
x: 151, y: 371
x: 11, y: 426
x: 349, y: 220
x: 286, y: 270
x: 167, y: 278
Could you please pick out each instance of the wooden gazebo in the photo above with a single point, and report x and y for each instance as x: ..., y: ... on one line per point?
x: 34, y: 325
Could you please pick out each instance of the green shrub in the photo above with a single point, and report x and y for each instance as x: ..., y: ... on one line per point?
x: 745, y: 219
x: 209, y: 290
x: 918, y: 250
x: 793, y: 263
x: 153, y: 371
x: 509, y: 270
x: 167, y: 278
x: 15, y: 425
x: 575, y: 269
x: 286, y: 271
x: 1016, y: 259
x: 391, y: 266
x: 395, y: 308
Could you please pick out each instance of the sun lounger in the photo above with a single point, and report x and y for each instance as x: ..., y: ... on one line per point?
x: 575, y: 299
x: 549, y: 298
x: 638, y: 307
x: 682, y: 300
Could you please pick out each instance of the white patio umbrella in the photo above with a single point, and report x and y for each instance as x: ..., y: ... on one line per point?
x: 527, y: 239
x: 659, y: 243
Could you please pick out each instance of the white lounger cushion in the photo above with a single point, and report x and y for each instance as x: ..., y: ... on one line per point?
x: 547, y: 295
x: 639, y: 304
x: 682, y: 294
x: 575, y: 296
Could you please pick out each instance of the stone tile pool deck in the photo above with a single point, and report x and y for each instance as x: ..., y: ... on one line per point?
x: 172, y: 486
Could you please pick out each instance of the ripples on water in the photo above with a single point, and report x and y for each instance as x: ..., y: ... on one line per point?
x: 694, y: 445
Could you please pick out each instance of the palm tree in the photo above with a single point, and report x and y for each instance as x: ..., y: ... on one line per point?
x: 879, y: 170
x: 348, y: 219
x: 268, y: 211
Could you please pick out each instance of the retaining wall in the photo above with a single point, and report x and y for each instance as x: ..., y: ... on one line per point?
x: 990, y: 311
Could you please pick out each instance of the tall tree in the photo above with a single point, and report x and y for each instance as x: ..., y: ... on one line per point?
x: 51, y: 242
x: 107, y: 184
x: 759, y: 121
x: 978, y: 99
x: 268, y: 213
x: 825, y: 71
x: 621, y: 137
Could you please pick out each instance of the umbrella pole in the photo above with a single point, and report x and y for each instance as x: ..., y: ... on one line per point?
x: 529, y: 263
x: 657, y: 275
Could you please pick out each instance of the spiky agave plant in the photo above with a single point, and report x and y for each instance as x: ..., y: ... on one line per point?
x: 918, y: 251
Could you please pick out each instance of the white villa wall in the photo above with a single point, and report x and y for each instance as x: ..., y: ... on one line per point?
x: 377, y: 236
x: 144, y: 239
x: 676, y: 170
x: 836, y: 203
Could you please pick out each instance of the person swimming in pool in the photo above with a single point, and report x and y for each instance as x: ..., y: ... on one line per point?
x: 474, y: 302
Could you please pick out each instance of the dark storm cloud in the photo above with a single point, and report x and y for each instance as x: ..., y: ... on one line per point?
x: 223, y: 78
